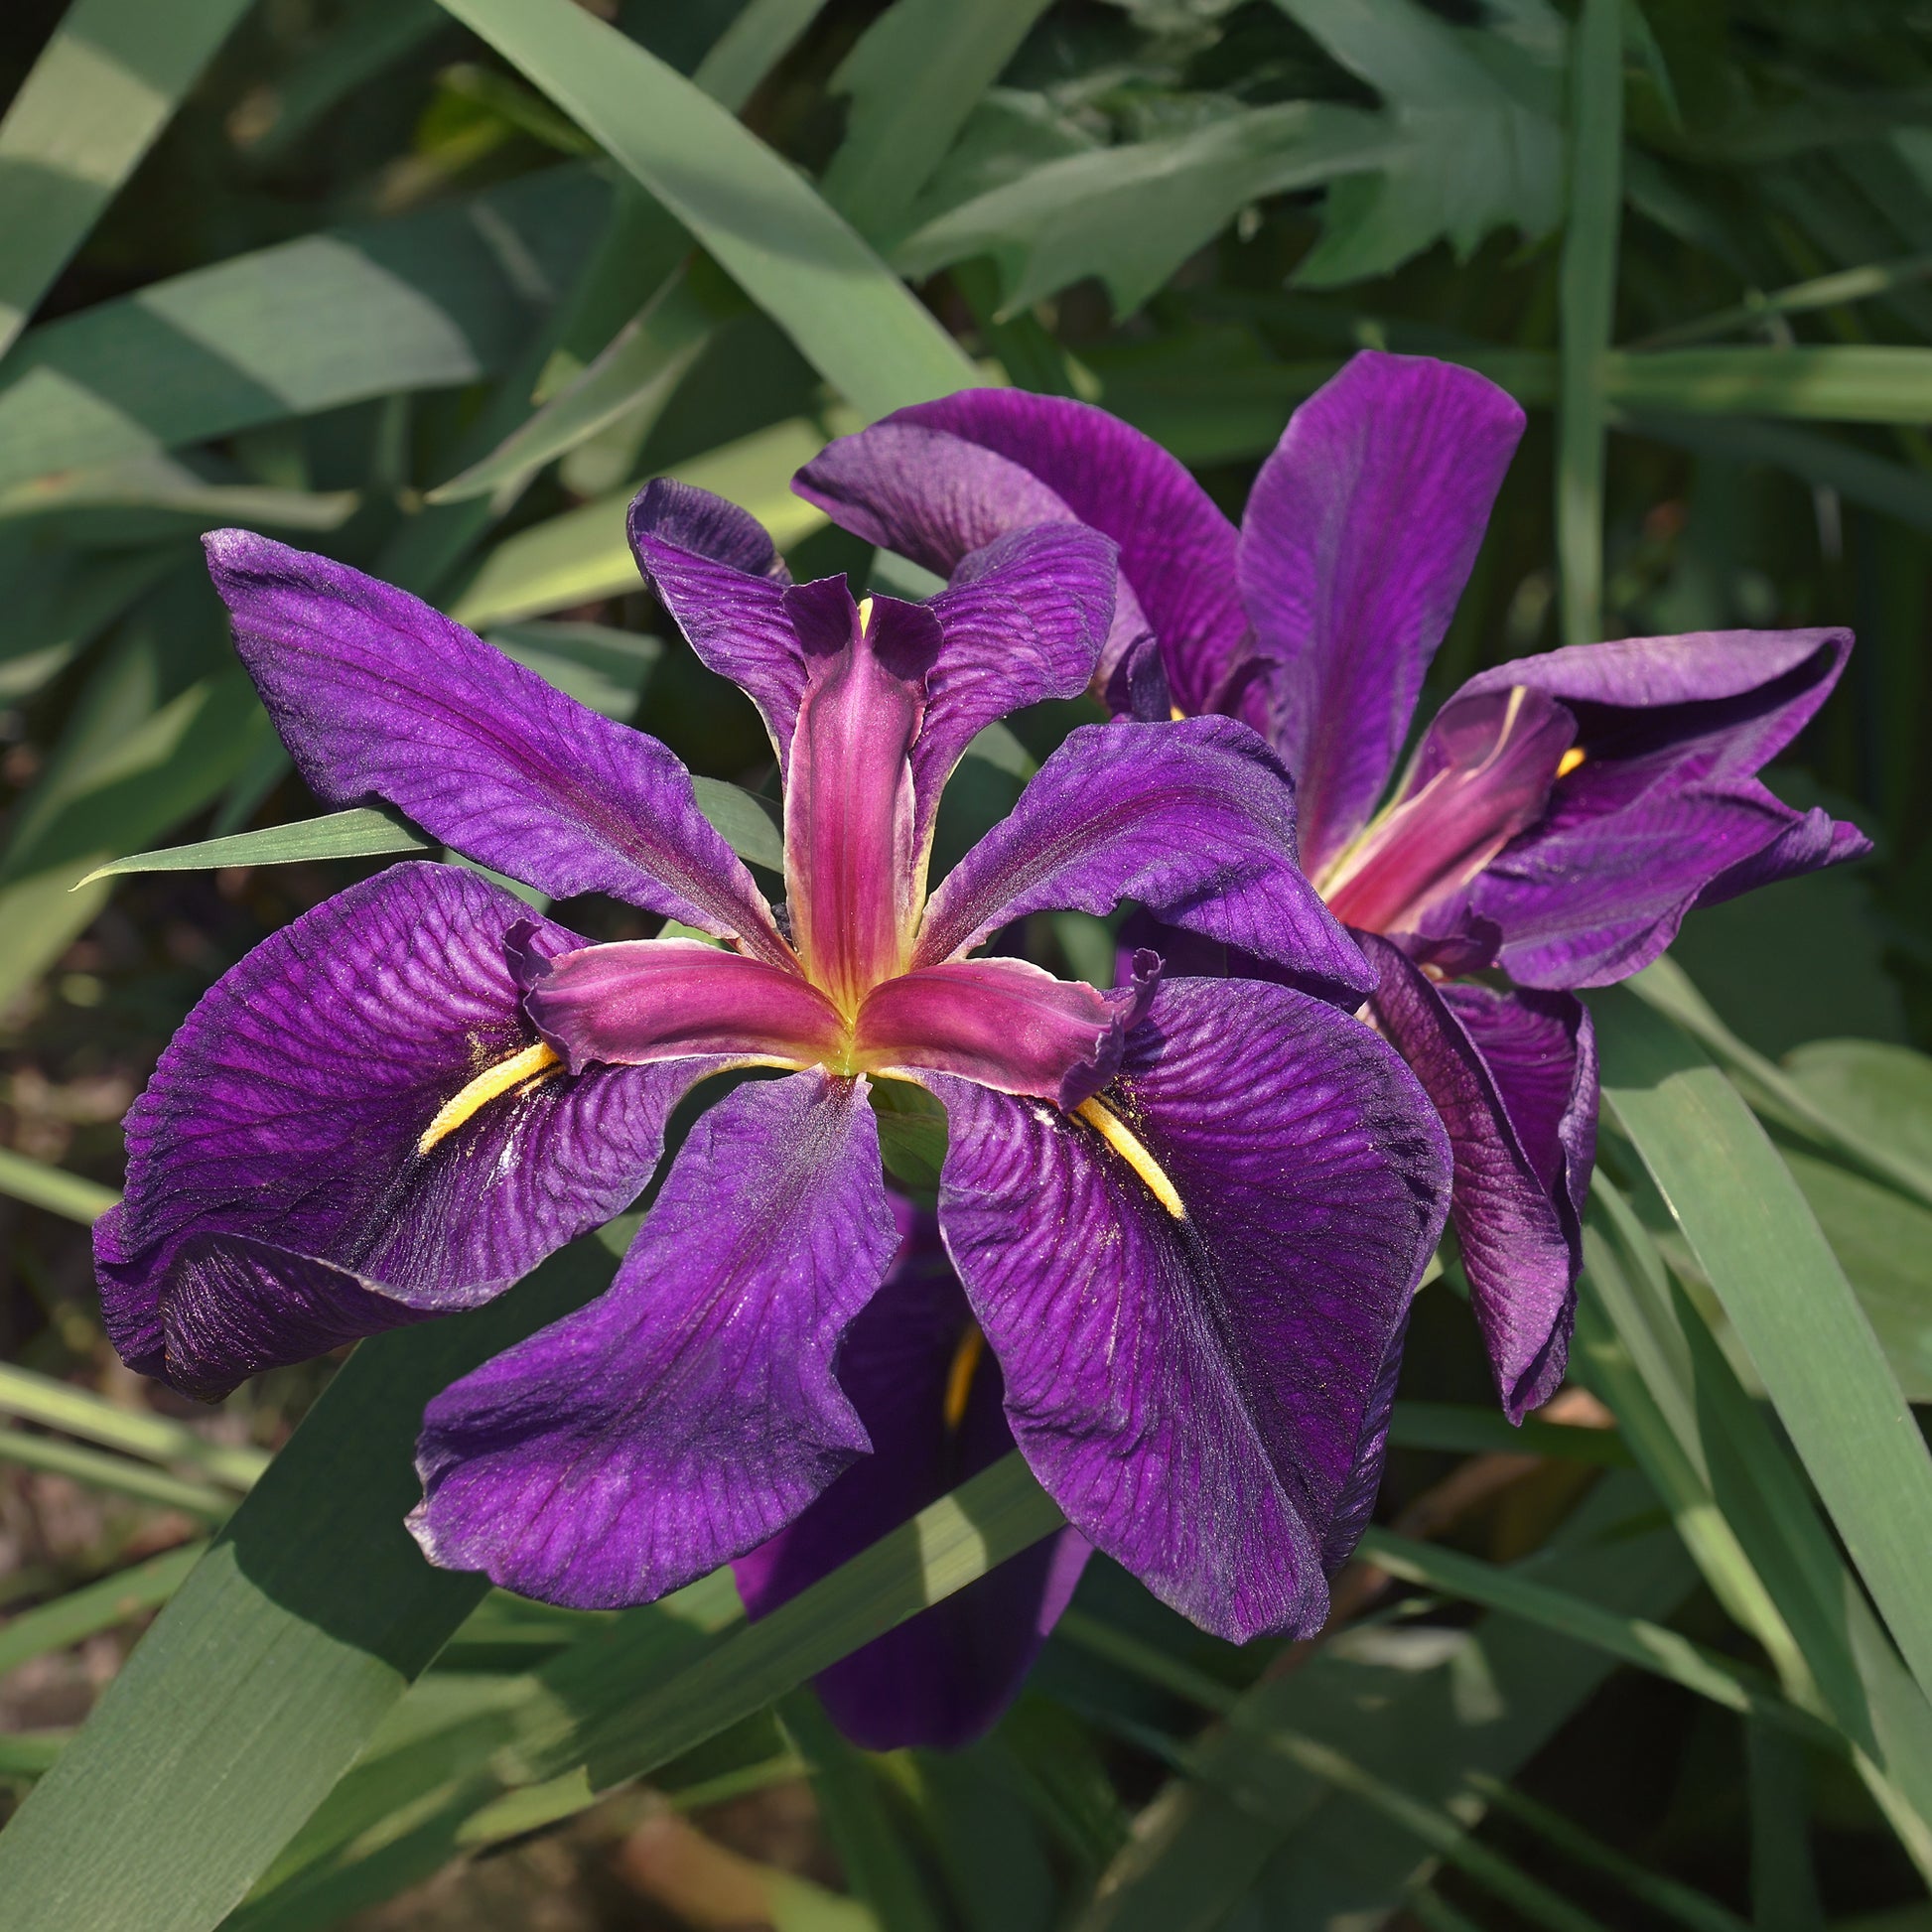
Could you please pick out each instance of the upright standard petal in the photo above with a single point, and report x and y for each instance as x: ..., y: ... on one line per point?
x: 714, y: 568
x: 930, y: 1397
x: 1355, y: 545
x: 1513, y: 1076
x: 1193, y: 1286
x: 379, y: 696
x: 1195, y: 819
x: 691, y: 1411
x: 357, y: 1123
x: 1658, y: 808
x: 1023, y: 619
x: 942, y: 478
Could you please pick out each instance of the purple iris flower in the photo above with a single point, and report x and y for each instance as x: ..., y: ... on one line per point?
x: 1186, y: 1216
x: 1555, y: 821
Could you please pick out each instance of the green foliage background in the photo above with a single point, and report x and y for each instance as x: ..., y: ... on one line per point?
x: 432, y: 285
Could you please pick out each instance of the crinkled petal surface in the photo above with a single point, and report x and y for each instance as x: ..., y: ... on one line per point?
x: 1025, y: 621
x: 1194, y: 819
x: 1357, y: 539
x: 1665, y: 811
x: 689, y: 1412
x: 1513, y: 1076
x: 286, y: 1117
x: 379, y: 696
x: 940, y: 1679
x: 942, y: 478
x: 1195, y: 1394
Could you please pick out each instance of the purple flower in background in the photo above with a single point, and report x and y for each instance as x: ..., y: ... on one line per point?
x: 1186, y: 1216
x: 1556, y: 821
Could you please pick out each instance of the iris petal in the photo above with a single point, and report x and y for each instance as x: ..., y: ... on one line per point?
x: 1513, y: 1077
x: 1356, y: 542
x: 690, y: 1410
x: 1195, y: 820
x: 1198, y: 1395
x: 941, y: 1678
x: 379, y: 696
x: 278, y: 1148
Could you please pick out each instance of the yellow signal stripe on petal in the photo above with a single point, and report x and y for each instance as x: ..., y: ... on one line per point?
x: 959, y: 1378
x: 1114, y: 1131
x: 498, y: 1079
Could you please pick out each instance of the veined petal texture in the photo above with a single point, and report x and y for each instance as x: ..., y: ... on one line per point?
x: 1513, y: 1076
x: 1197, y: 1389
x: 1357, y: 539
x: 942, y: 478
x: 691, y: 1411
x: 1663, y: 809
x: 1194, y: 820
x: 379, y: 696
x: 277, y: 1157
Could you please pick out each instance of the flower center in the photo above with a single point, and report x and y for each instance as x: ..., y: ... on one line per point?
x: 1481, y: 774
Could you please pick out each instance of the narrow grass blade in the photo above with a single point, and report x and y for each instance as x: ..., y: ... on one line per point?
x: 850, y: 316
x: 912, y: 79
x: 430, y: 300
x: 115, y: 1473
x: 1632, y: 1639
x: 60, y: 1193
x: 1665, y: 986
x: 1684, y: 1903
x: 362, y: 832
x: 1820, y: 292
x: 583, y: 554
x: 276, y: 1660
x: 1588, y: 303
x: 640, y: 371
x: 134, y: 1432
x: 741, y: 821
x: 1465, y: 1429
x: 106, y: 83
x: 96, y: 1606
x: 1789, y: 1301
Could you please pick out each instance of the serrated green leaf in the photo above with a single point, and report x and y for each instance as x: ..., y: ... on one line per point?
x: 1131, y: 214
x: 1470, y: 153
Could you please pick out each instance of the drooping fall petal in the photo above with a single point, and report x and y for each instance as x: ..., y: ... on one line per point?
x: 277, y: 1159
x: 1194, y: 1287
x: 691, y: 1410
x: 1513, y: 1076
